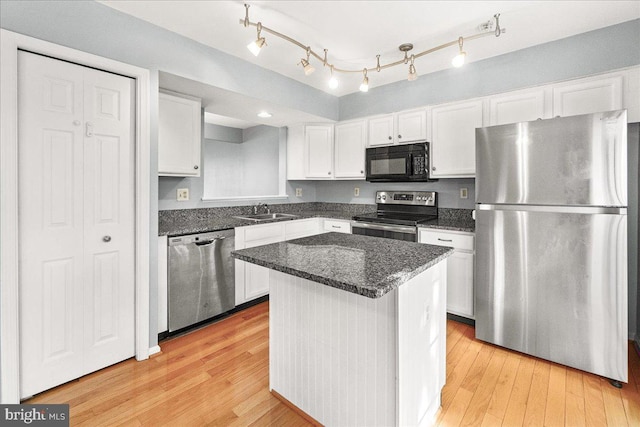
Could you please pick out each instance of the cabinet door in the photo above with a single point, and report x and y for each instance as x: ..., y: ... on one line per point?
x: 319, y: 151
x: 350, y: 150
x: 338, y: 226
x: 460, y: 284
x: 588, y: 97
x: 453, y: 151
x: 381, y: 130
x: 256, y: 281
x: 295, y: 153
x: 517, y: 107
x: 411, y: 126
x: 179, y: 136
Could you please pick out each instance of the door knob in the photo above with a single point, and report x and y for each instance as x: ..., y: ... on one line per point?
x: 106, y: 238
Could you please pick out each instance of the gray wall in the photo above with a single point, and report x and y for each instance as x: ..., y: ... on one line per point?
x: 594, y: 52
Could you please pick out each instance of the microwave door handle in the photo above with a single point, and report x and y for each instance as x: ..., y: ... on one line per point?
x: 409, y: 170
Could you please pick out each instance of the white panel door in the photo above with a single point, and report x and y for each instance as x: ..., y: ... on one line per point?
x: 381, y: 131
x: 411, y: 126
x: 517, y: 107
x: 592, y: 96
x: 350, y: 139
x: 75, y: 187
x: 318, y: 151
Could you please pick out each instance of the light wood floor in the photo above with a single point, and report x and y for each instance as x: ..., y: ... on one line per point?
x: 218, y: 375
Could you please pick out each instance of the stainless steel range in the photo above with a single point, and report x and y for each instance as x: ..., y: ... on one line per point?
x: 398, y: 215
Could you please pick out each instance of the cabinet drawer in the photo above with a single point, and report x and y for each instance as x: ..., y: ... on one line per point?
x: 337, y: 226
x: 463, y: 241
x: 268, y: 232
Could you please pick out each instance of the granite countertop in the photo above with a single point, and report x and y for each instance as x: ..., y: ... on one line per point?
x: 456, y: 224
x: 364, y: 265
x: 206, y: 225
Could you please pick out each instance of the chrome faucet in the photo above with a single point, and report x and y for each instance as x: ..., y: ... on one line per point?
x: 256, y: 208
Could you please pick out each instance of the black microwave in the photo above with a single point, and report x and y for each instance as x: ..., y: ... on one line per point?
x: 400, y: 163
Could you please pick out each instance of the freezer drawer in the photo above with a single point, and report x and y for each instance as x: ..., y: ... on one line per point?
x: 554, y: 285
x: 578, y: 160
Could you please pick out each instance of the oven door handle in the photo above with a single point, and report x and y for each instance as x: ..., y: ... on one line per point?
x: 396, y: 228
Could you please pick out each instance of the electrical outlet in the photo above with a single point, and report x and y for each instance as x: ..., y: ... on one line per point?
x: 464, y: 193
x: 298, y: 192
x: 356, y: 191
x: 183, y: 194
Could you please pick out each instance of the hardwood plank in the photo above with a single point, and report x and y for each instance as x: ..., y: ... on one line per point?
x: 477, y: 408
x: 455, y: 412
x: 575, y: 410
x: 593, y: 401
x: 516, y: 408
x: 473, y: 377
x: 537, y: 401
x: 613, y: 407
x: 500, y: 396
x: 556, y: 396
x: 574, y: 382
x: 491, y: 421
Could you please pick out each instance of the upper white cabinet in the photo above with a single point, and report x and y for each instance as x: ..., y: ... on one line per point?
x: 381, y: 130
x: 521, y: 106
x: 587, y: 96
x: 179, y: 135
x: 318, y: 151
x: 398, y: 128
x: 453, y: 139
x: 349, y: 144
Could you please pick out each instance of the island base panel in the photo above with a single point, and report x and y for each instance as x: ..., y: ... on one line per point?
x: 336, y: 355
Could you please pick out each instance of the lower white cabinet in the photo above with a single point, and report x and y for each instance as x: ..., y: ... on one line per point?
x: 460, y: 291
x: 252, y: 281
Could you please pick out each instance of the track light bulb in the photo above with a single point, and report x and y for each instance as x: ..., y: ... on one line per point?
x: 256, y: 45
x: 412, y: 71
x: 364, y: 86
x: 333, y: 83
x: 458, y: 60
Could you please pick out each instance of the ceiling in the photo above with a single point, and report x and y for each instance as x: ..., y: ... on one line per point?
x: 354, y: 32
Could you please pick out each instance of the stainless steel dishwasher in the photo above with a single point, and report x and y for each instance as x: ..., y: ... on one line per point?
x: 201, y: 277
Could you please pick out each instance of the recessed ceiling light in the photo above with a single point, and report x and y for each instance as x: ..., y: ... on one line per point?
x: 264, y: 114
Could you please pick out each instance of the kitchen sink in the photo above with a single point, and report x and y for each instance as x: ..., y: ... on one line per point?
x: 267, y: 217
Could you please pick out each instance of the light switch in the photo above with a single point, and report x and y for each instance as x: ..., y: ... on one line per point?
x: 183, y: 194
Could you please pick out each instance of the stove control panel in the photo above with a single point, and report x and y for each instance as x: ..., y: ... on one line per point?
x: 420, y: 198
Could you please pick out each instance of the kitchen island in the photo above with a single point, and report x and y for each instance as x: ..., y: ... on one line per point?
x: 357, y: 327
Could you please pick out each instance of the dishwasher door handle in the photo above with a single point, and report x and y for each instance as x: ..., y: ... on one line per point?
x: 205, y: 242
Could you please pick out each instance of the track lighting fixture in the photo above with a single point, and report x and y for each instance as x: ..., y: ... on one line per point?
x: 364, y: 86
x: 485, y: 30
x: 458, y: 60
x: 308, y: 68
x: 256, y: 45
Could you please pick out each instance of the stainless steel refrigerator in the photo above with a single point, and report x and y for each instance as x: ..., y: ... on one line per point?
x: 551, y: 240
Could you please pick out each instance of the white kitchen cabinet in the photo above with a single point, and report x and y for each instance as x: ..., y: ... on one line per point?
x: 453, y: 139
x: 587, y: 96
x: 337, y: 225
x: 318, y: 151
x: 381, y: 130
x: 349, y: 144
x: 460, y: 266
x: 411, y: 126
x: 179, y: 135
x: 251, y: 281
x: 520, y: 106
x: 398, y: 128
x: 163, y: 262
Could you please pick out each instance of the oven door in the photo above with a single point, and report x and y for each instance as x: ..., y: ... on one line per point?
x: 388, y: 166
x: 397, y: 232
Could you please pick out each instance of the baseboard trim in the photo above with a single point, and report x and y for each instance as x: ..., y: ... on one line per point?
x: 295, y: 409
x: 154, y: 350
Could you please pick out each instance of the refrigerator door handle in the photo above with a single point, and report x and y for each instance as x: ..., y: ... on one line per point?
x: 555, y: 209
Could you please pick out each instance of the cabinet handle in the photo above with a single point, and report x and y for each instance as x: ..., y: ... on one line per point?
x: 390, y: 137
x: 361, y: 172
x: 399, y: 136
x: 195, y: 167
x: 329, y: 173
x: 335, y: 226
x: 445, y: 240
x: 433, y: 168
x: 106, y: 239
